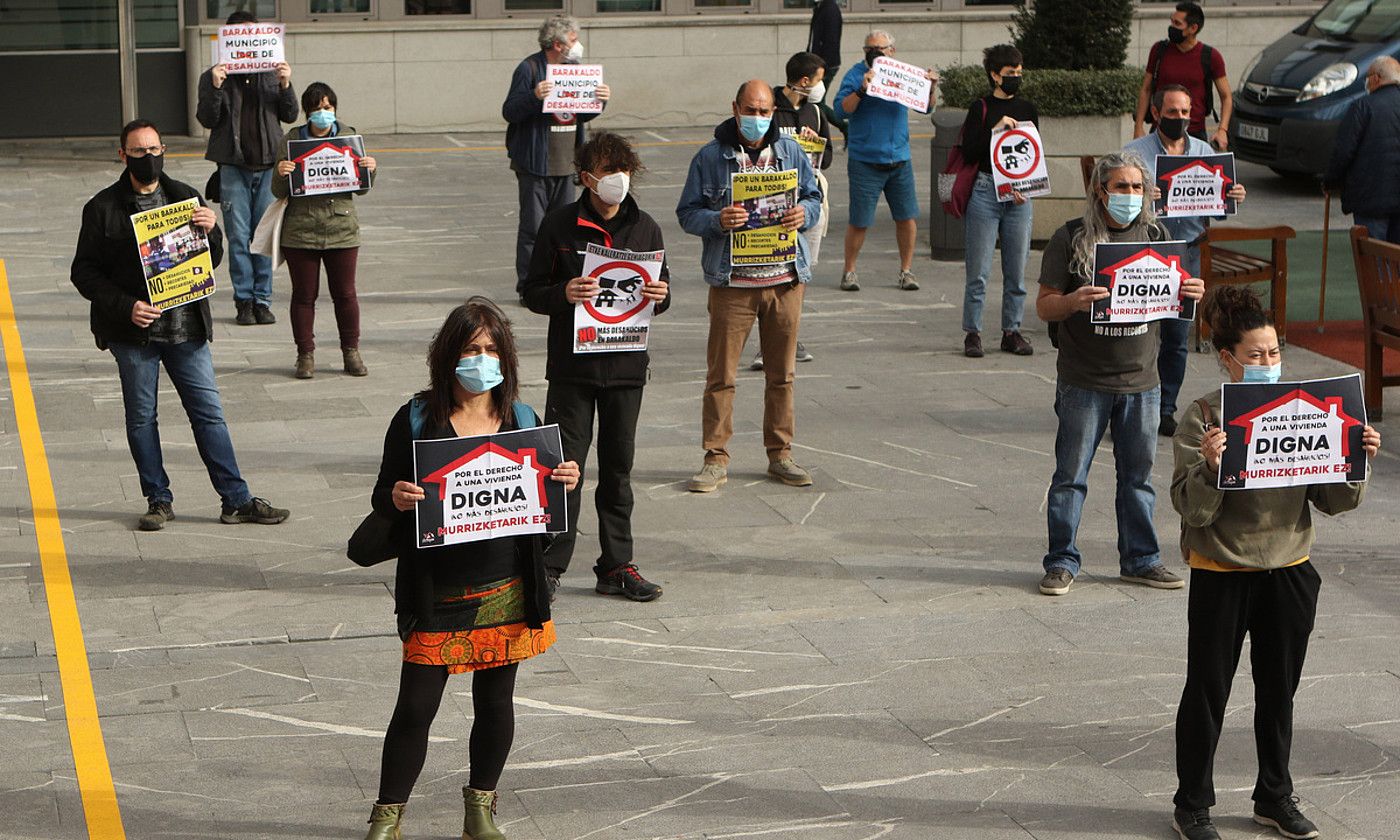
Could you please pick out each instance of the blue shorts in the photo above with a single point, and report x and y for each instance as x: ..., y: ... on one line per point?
x: 868, y: 180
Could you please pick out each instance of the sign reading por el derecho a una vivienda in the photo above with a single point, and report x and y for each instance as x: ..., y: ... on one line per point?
x: 1290, y: 433
x: 1143, y: 280
x: 488, y: 486
x: 1195, y: 185
x: 327, y: 165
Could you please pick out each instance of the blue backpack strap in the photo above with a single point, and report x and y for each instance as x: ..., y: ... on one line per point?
x: 417, y: 417
x: 525, y: 417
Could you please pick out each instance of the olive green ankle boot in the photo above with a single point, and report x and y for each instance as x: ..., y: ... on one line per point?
x: 478, y: 824
x: 384, y: 822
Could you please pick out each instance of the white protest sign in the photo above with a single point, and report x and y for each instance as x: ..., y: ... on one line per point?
x: 1143, y: 280
x: 575, y: 89
x: 1018, y: 162
x: 618, y: 317
x: 252, y: 47
x: 897, y: 81
x: 1285, y: 434
x: 1195, y: 185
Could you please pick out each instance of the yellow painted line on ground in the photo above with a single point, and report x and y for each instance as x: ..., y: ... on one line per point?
x: 99, y: 796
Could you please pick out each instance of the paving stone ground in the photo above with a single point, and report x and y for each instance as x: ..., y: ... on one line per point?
x: 865, y: 658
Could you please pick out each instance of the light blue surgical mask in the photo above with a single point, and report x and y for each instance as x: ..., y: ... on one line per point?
x: 754, y: 128
x: 322, y: 119
x: 479, y: 373
x: 1124, y: 207
x: 1266, y: 374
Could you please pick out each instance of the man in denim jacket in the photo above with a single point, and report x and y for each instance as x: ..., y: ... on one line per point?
x: 772, y: 294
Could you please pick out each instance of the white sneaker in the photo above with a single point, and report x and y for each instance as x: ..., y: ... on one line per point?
x: 849, y: 283
x: 907, y: 281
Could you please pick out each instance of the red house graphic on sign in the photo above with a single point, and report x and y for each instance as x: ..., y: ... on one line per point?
x: 1147, y: 258
x: 330, y: 154
x: 1339, y: 423
x: 1198, y: 173
x: 525, y: 457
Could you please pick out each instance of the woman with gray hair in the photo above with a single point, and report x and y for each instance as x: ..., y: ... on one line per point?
x: 1106, y: 379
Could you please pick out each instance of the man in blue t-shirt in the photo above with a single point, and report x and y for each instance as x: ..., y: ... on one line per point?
x: 878, y: 161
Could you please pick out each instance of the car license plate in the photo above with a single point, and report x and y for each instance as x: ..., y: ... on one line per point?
x: 1259, y: 133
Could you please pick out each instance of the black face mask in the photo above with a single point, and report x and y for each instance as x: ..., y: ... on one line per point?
x: 1176, y: 36
x: 146, y: 169
x: 1010, y: 84
x: 872, y: 53
x: 1172, y: 128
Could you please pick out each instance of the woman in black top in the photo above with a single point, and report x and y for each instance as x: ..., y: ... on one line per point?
x: 987, y: 218
x: 480, y: 606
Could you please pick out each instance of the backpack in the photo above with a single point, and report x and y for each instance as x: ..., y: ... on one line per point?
x: 1207, y: 54
x: 1052, y: 328
x: 956, y: 180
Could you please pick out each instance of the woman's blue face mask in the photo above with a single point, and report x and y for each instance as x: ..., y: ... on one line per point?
x: 479, y: 373
x: 322, y: 119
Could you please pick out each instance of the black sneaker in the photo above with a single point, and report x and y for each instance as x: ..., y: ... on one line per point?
x: 1194, y: 825
x: 972, y: 345
x: 262, y: 313
x: 1014, y: 342
x: 156, y: 516
x: 551, y: 582
x: 257, y: 511
x: 245, y: 316
x: 1166, y: 427
x: 1285, y: 818
x: 627, y: 581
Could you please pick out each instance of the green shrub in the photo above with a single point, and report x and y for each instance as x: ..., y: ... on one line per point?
x: 1074, y: 34
x: 1056, y: 93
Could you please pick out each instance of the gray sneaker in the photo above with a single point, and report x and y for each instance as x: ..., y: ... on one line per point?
x: 708, y: 480
x: 757, y: 363
x: 787, y: 471
x: 1156, y: 577
x: 849, y: 282
x: 907, y: 282
x: 803, y: 354
x: 1056, y: 582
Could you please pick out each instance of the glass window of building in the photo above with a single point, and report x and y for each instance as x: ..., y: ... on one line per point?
x: 84, y: 25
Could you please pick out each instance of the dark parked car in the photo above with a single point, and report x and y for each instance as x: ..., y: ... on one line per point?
x: 1292, y: 96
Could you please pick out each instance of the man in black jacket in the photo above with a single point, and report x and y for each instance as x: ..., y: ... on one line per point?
x: 242, y: 113
x: 107, y: 271
x: 609, y: 383
x: 1365, y: 163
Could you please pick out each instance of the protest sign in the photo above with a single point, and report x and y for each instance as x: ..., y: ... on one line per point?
x: 327, y: 165
x: 252, y: 47
x: 618, y: 317
x: 812, y: 147
x: 174, y: 255
x: 897, y: 81
x: 1018, y: 162
x: 1195, y: 185
x: 488, y: 486
x: 1286, y: 434
x: 767, y: 196
x: 575, y: 89
x: 1143, y: 280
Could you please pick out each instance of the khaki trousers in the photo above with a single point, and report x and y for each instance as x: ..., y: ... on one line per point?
x: 732, y: 314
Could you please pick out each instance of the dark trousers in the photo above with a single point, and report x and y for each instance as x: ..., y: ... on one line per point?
x: 1277, y: 609
x: 1171, y: 361
x: 572, y: 407
x: 304, y: 265
x: 538, y: 196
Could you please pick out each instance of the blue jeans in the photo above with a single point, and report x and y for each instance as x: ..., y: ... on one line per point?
x: 1175, y: 346
x: 191, y: 369
x: 245, y: 195
x: 539, y: 196
x: 1385, y: 228
x: 984, y: 220
x: 1083, y: 417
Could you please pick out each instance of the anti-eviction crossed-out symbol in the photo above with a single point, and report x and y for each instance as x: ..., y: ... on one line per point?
x: 619, y: 275
x: 1017, y: 154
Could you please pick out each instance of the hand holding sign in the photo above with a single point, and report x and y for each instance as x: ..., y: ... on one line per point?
x: 906, y: 84
x: 1018, y: 162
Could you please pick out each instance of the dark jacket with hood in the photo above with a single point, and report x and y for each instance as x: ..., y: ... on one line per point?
x: 527, y: 135
x: 790, y: 122
x: 220, y: 110
x: 824, y: 34
x: 107, y: 265
x: 1365, y: 163
x: 558, y: 258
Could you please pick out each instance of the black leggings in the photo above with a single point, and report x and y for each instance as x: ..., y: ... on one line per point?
x: 406, y: 742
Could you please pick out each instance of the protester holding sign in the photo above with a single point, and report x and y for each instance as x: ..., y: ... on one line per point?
x: 988, y: 219
x: 243, y: 113
x: 1171, y: 112
x: 1106, y: 379
x: 478, y: 606
x: 1249, y: 555
x: 107, y: 270
x: 879, y: 161
x: 608, y: 384
x: 321, y: 228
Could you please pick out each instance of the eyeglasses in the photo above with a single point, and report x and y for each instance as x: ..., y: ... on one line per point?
x: 142, y: 151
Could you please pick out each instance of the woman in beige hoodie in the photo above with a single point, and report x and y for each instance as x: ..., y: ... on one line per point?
x: 1250, y: 573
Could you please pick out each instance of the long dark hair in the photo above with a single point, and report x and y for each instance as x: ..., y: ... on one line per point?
x: 1231, y: 312
x: 445, y: 351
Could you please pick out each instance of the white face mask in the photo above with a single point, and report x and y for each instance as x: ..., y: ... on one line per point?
x: 575, y: 53
x: 816, y: 92
x: 612, y: 189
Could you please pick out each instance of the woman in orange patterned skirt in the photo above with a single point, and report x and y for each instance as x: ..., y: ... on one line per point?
x: 479, y: 606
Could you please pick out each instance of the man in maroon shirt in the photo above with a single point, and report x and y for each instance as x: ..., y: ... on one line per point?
x: 1183, y: 60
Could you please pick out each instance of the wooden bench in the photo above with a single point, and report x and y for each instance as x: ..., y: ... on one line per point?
x: 1378, y: 278
x: 1225, y: 266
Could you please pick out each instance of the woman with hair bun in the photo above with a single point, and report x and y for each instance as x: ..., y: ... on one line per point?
x: 1250, y: 573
